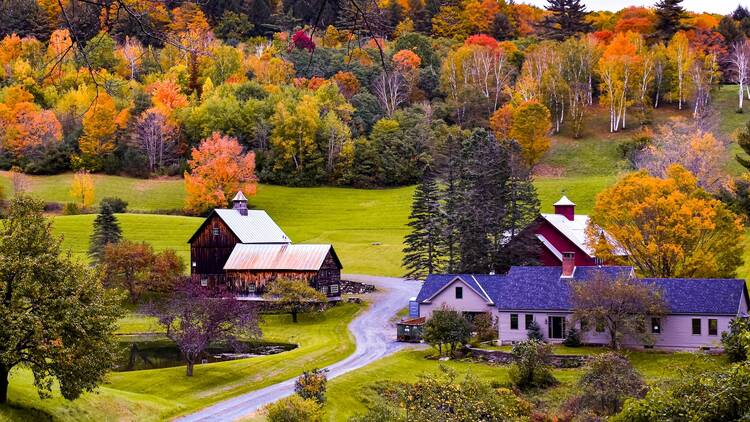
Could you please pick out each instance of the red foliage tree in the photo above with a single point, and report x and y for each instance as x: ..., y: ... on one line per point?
x: 302, y: 41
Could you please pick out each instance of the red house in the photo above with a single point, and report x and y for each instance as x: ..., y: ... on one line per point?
x: 563, y: 234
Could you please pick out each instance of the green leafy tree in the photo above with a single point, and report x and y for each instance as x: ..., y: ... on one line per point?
x: 530, y: 368
x: 234, y: 27
x: 56, y: 319
x: 743, y: 140
x: 423, y: 250
x: 294, y: 296
x: 446, y: 327
x: 609, y: 380
x: 106, y: 231
x: 737, y: 340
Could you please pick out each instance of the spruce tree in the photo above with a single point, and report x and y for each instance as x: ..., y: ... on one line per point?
x: 106, y: 231
x: 668, y: 16
x: 567, y: 18
x: 423, y: 254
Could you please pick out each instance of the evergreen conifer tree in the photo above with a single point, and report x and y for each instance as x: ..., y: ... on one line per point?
x: 567, y: 18
x: 668, y: 16
x: 534, y: 332
x: 423, y: 254
x: 106, y: 230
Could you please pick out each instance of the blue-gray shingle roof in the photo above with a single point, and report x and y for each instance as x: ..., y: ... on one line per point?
x: 701, y: 295
x: 543, y: 288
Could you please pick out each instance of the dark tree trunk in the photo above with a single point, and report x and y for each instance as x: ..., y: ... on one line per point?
x: 3, y: 384
x: 294, y: 315
x: 189, y: 369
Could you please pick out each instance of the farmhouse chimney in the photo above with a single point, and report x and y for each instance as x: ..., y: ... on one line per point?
x: 568, y: 264
x: 239, y: 203
x: 566, y: 208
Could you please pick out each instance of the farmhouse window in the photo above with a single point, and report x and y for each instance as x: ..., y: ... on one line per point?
x: 459, y: 292
x: 204, y: 282
x: 713, y: 327
x: 215, y: 231
x: 696, y: 326
x: 323, y: 289
x: 599, y: 327
x: 529, y: 320
x: 334, y: 288
x: 513, y: 321
x: 656, y: 325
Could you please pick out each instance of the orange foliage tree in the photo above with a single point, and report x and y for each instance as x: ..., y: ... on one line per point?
x: 670, y: 227
x: 26, y: 130
x: 166, y: 96
x: 218, y: 169
x: 348, y: 83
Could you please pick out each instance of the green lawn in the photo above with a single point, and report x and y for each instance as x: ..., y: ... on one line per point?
x: 162, y: 393
x: 348, y: 393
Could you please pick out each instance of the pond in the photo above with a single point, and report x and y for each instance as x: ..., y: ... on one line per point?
x: 138, y: 353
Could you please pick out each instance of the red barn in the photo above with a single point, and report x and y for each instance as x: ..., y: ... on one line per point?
x: 564, y: 234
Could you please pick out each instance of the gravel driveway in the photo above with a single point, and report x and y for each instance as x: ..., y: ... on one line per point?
x: 375, y: 336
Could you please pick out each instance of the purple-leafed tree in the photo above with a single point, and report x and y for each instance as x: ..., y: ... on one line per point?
x: 195, y: 317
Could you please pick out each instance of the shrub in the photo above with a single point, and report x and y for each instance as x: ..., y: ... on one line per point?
x: 446, y: 327
x: 534, y: 332
x: 720, y: 395
x: 608, y: 381
x: 71, y: 208
x: 294, y: 409
x: 530, y: 369
x: 485, y: 327
x: 572, y: 338
x: 312, y: 385
x: 736, y: 340
x: 117, y: 205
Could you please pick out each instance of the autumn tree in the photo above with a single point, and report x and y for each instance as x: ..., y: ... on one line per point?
x: 530, y: 128
x: 156, y: 137
x: 82, y: 189
x: 195, y: 316
x: 617, y: 70
x: 681, y: 58
x: 294, y: 295
x: 217, y: 170
x: 622, y: 306
x: 579, y: 58
x: 739, y: 60
x: 56, y: 320
x: 136, y: 268
x: 669, y: 226
x: 698, y: 151
x: 99, y: 127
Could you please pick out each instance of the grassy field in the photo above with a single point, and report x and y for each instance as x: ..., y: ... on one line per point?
x: 348, y: 394
x: 161, y: 393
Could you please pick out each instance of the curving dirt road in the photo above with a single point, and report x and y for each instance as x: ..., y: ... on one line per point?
x: 373, y: 331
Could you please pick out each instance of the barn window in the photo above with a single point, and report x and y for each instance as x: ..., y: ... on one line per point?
x: 215, y: 231
x: 513, y: 321
x: 323, y: 289
x: 713, y: 327
x: 204, y: 282
x: 251, y: 288
x: 334, y: 288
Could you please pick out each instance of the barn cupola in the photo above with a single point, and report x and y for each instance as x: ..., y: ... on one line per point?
x: 239, y: 203
x: 566, y: 208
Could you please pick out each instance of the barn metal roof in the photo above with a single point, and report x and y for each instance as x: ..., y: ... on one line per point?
x: 255, y: 227
x: 279, y: 257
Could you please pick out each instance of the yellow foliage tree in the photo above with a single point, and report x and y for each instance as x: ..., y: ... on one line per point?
x: 82, y: 189
x: 670, y: 227
x: 99, y: 127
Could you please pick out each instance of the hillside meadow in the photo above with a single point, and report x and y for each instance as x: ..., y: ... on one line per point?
x: 366, y: 226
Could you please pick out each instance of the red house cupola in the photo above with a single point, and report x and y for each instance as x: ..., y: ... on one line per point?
x: 565, y: 207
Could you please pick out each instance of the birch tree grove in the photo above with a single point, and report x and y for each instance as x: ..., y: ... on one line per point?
x: 681, y: 58
x: 617, y: 69
x: 739, y: 60
x: 156, y: 137
x: 391, y: 90
x: 579, y: 58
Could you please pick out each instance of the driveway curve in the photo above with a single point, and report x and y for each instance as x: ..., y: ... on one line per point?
x: 373, y: 332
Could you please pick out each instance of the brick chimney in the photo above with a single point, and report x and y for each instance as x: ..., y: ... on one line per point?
x: 565, y: 207
x: 239, y: 203
x: 568, y: 264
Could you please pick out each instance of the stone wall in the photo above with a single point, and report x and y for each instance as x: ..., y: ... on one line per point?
x: 355, y: 288
x: 497, y: 356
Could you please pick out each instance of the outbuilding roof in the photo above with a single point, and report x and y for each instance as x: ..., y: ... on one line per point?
x: 278, y: 257
x: 713, y: 296
x: 255, y: 227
